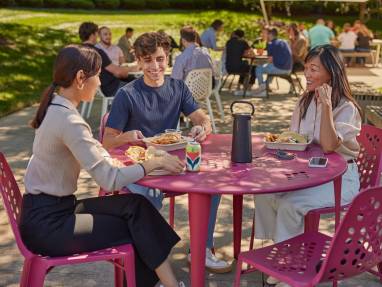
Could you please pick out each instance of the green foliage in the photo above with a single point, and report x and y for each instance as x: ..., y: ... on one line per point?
x: 30, y: 3
x: 107, y: 4
x: 182, y: 4
x: 157, y: 4
x: 80, y: 4
x: 4, y: 3
x: 55, y: 3
x: 261, y: 45
x: 133, y: 4
x: 26, y: 57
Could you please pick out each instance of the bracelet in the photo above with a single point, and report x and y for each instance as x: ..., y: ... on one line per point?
x: 144, y: 170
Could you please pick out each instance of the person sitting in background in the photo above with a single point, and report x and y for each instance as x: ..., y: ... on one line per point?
x: 330, y: 24
x: 193, y: 56
x: 303, y: 31
x: 150, y: 105
x: 320, y: 34
x: 279, y: 58
x: 111, y: 74
x: 209, y: 36
x: 235, y: 49
x: 114, y: 52
x: 328, y: 114
x: 126, y: 46
x: 356, y: 25
x: 53, y: 221
x: 347, y: 41
x: 364, y: 38
x: 299, y: 47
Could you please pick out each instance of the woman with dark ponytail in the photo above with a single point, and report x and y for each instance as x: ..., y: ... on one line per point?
x: 53, y: 222
x: 328, y: 114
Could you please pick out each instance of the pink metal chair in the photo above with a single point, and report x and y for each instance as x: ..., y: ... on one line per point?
x: 369, y: 166
x: 169, y: 195
x: 36, y: 266
x: 311, y: 258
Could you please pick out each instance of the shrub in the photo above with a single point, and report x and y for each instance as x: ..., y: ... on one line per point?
x: 80, y: 4
x: 182, y: 4
x: 157, y: 4
x: 133, y: 4
x: 30, y: 3
x: 55, y: 3
x: 204, y: 4
x: 107, y: 4
x: 6, y: 3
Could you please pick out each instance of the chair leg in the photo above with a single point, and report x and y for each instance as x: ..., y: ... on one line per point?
x: 251, y: 243
x: 238, y: 273
x: 312, y: 221
x: 83, y: 108
x: 267, y: 82
x: 129, y: 266
x: 208, y: 102
x: 224, y: 81
x: 172, y: 211
x: 219, y: 103
x: 379, y: 266
x: 230, y: 84
x: 119, y: 273
x: 89, y: 109
x: 34, y: 273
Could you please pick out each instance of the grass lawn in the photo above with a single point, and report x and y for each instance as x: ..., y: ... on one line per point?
x: 29, y: 40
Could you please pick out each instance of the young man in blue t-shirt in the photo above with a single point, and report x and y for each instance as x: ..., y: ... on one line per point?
x: 279, y: 57
x: 151, y: 104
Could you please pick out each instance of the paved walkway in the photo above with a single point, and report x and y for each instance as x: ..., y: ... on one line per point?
x: 272, y: 114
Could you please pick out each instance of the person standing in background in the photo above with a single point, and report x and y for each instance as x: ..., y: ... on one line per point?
x: 126, y: 46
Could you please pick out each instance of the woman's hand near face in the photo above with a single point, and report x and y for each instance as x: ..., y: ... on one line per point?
x: 324, y: 95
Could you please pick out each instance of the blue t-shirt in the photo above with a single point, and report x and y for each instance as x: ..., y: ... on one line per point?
x: 137, y: 106
x: 281, y: 54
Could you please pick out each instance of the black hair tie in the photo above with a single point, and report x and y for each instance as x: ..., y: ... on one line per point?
x: 54, y: 85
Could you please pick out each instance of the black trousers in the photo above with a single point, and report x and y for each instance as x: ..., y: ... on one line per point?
x: 60, y: 226
x: 244, y: 69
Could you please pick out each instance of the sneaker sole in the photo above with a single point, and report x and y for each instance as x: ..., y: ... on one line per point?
x: 216, y: 271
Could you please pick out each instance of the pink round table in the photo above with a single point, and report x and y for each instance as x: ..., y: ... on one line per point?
x: 218, y: 175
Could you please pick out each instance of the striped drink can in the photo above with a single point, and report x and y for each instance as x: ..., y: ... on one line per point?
x: 193, y: 156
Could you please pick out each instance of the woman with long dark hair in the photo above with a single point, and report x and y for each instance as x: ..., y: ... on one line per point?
x: 328, y: 114
x: 53, y: 222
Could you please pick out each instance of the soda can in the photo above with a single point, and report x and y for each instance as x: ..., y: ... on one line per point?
x: 193, y: 156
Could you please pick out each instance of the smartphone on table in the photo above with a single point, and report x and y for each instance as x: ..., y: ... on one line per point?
x: 318, y: 162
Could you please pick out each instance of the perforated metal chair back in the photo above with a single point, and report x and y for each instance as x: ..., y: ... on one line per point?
x: 199, y: 81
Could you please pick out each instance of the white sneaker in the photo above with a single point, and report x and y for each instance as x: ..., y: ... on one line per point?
x: 282, y: 284
x: 238, y: 93
x: 262, y: 94
x: 213, y: 264
x: 272, y: 280
x: 180, y: 284
x: 260, y: 89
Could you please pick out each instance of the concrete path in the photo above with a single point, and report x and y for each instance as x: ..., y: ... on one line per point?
x: 272, y: 114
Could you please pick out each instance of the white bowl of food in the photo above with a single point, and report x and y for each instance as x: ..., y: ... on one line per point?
x: 287, y: 141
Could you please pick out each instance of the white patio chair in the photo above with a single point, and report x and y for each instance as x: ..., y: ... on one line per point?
x: 87, y: 107
x: 218, y: 75
x: 199, y: 81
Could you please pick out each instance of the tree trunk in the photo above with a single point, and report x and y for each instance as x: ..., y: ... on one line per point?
x: 362, y: 10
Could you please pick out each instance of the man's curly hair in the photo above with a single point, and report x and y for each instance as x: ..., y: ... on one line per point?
x: 147, y: 43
